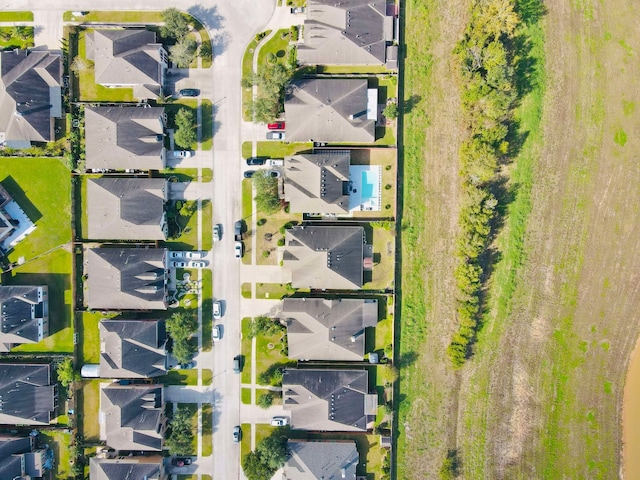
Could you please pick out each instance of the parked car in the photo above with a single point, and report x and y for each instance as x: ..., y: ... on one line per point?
x: 196, y: 264
x: 256, y: 161
x: 276, y: 126
x: 275, y: 162
x: 176, y: 254
x: 182, y: 154
x: 194, y: 254
x: 297, y: 9
x: 216, y: 333
x: 237, y: 364
x: 279, y: 421
x: 179, y: 264
x: 249, y: 173
x: 238, y: 249
x: 275, y: 135
x: 237, y: 434
x: 217, y: 310
x: 217, y: 231
x: 189, y: 92
x: 187, y: 366
x: 180, y: 461
x: 237, y: 230
x: 275, y: 173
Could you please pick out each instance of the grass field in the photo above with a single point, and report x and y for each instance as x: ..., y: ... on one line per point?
x: 89, y: 405
x: 16, y: 17
x: 144, y: 17
x: 59, y: 442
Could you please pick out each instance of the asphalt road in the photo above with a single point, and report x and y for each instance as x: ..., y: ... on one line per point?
x: 232, y: 24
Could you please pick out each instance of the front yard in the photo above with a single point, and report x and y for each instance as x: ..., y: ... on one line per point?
x: 270, y: 234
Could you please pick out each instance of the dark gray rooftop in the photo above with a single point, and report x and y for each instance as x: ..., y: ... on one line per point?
x: 321, y: 460
x: 10, y: 449
x: 128, y: 468
x: 22, y: 309
x: 30, y: 96
x: 326, y: 257
x: 132, y: 348
x: 327, y: 400
x: 328, y: 110
x: 27, y: 396
x: 348, y: 32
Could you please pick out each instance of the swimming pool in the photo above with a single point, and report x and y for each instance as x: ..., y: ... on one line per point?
x: 365, y: 188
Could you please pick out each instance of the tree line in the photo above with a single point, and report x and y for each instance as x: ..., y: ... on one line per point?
x: 487, y: 57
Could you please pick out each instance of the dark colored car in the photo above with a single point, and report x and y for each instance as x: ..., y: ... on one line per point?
x: 237, y: 434
x: 180, y: 461
x: 237, y: 364
x: 256, y: 161
x: 276, y: 126
x: 249, y: 173
x: 189, y: 92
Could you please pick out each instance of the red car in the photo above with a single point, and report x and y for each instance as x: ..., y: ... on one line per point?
x: 276, y: 126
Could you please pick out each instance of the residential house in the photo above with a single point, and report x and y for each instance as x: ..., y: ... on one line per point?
x: 128, y: 58
x: 329, y: 400
x: 127, y: 468
x: 349, y: 32
x: 132, y: 417
x: 28, y: 394
x: 327, y: 257
x: 126, y: 208
x: 321, y: 460
x: 132, y: 348
x: 30, y: 96
x: 14, y: 223
x: 331, y: 110
x: 20, y: 459
x: 126, y: 278
x: 328, y: 329
x: 124, y: 138
x: 24, y: 315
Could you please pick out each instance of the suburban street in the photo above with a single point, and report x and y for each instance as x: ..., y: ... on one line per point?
x: 232, y: 24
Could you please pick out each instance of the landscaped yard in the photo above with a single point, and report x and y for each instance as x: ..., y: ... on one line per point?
x: 273, y: 290
x: 189, y: 238
x: 16, y: 37
x: 207, y: 429
x: 42, y: 189
x: 144, y: 17
x: 269, y: 233
x: 387, y: 159
x: 90, y: 336
x: 193, y: 409
x: 89, y: 397
x: 59, y: 442
x: 180, y: 377
x: 383, y: 256
x: 269, y: 353
x: 53, y: 270
x: 276, y: 46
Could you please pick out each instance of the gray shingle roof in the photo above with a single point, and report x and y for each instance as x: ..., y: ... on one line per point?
x: 24, y: 315
x: 321, y: 460
x: 133, y: 416
x: 318, y: 182
x: 126, y: 278
x: 30, y: 96
x: 132, y: 348
x: 326, y: 257
x: 126, y: 208
x: 349, y: 32
x: 324, y: 329
x: 10, y: 459
x: 27, y: 396
x: 327, y: 400
x: 119, y: 138
x: 328, y: 110
x: 128, y: 468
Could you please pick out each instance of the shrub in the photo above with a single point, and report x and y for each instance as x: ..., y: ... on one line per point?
x: 261, y: 221
x: 265, y: 400
x: 266, y: 253
x: 281, y: 242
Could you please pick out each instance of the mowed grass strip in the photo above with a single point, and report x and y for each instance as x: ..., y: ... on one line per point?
x: 207, y: 429
x: 16, y: 16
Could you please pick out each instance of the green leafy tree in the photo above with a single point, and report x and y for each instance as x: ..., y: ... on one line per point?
x: 391, y: 111
x: 180, y: 439
x: 66, y: 373
x: 254, y: 468
x: 205, y: 51
x: 176, y: 24
x: 183, y: 52
x: 181, y: 326
x: 269, y: 455
x: 188, y: 208
x: 265, y: 400
x: 267, y: 198
x: 271, y: 80
x: 186, y: 134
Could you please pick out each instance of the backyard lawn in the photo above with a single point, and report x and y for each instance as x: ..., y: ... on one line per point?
x: 59, y: 442
x: 53, y: 270
x: 89, y: 398
x: 383, y: 257
x: 42, y: 189
x: 387, y: 159
x: 90, y: 336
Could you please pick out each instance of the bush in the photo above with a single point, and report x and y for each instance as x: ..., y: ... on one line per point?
x: 186, y: 134
x: 180, y: 439
x: 266, y: 253
x: 261, y: 221
x: 281, y: 242
x: 265, y: 400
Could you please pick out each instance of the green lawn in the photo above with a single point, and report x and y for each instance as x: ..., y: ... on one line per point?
x: 189, y: 238
x: 89, y: 89
x: 22, y: 41
x: 276, y: 45
x: 333, y: 69
x: 90, y: 336
x: 88, y: 408
x: 193, y: 409
x: 207, y: 377
x: 247, y: 216
x: 384, y: 248
x: 145, y: 17
x: 273, y: 290
x: 247, y: 149
x: 53, y: 270
x: 207, y: 309
x: 245, y: 289
x: 207, y: 429
x: 180, y: 377
x: 269, y: 353
x: 207, y: 225
x: 207, y: 175
x: 59, y: 442
x: 42, y: 189
x: 245, y: 396
x: 16, y: 16
x: 383, y: 333
x: 247, y: 70
x: 245, y: 351
x: 207, y: 124
x: 276, y: 149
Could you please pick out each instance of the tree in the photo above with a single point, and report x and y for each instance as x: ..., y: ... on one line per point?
x: 81, y: 65
x: 253, y: 467
x: 267, y: 198
x: 264, y: 108
x: 183, y: 52
x: 391, y: 111
x: 180, y: 439
x: 175, y: 25
x: 186, y: 134
x: 188, y: 208
x: 269, y: 455
x: 205, y: 51
x: 182, y: 324
x: 271, y: 80
x: 265, y: 400
x: 66, y: 373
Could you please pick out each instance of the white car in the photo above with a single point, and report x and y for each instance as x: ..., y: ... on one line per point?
x: 217, y: 310
x: 194, y: 254
x: 216, y: 233
x: 181, y: 154
x: 238, y: 249
x: 179, y: 264
x: 196, y: 264
x: 279, y: 421
x: 216, y: 334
